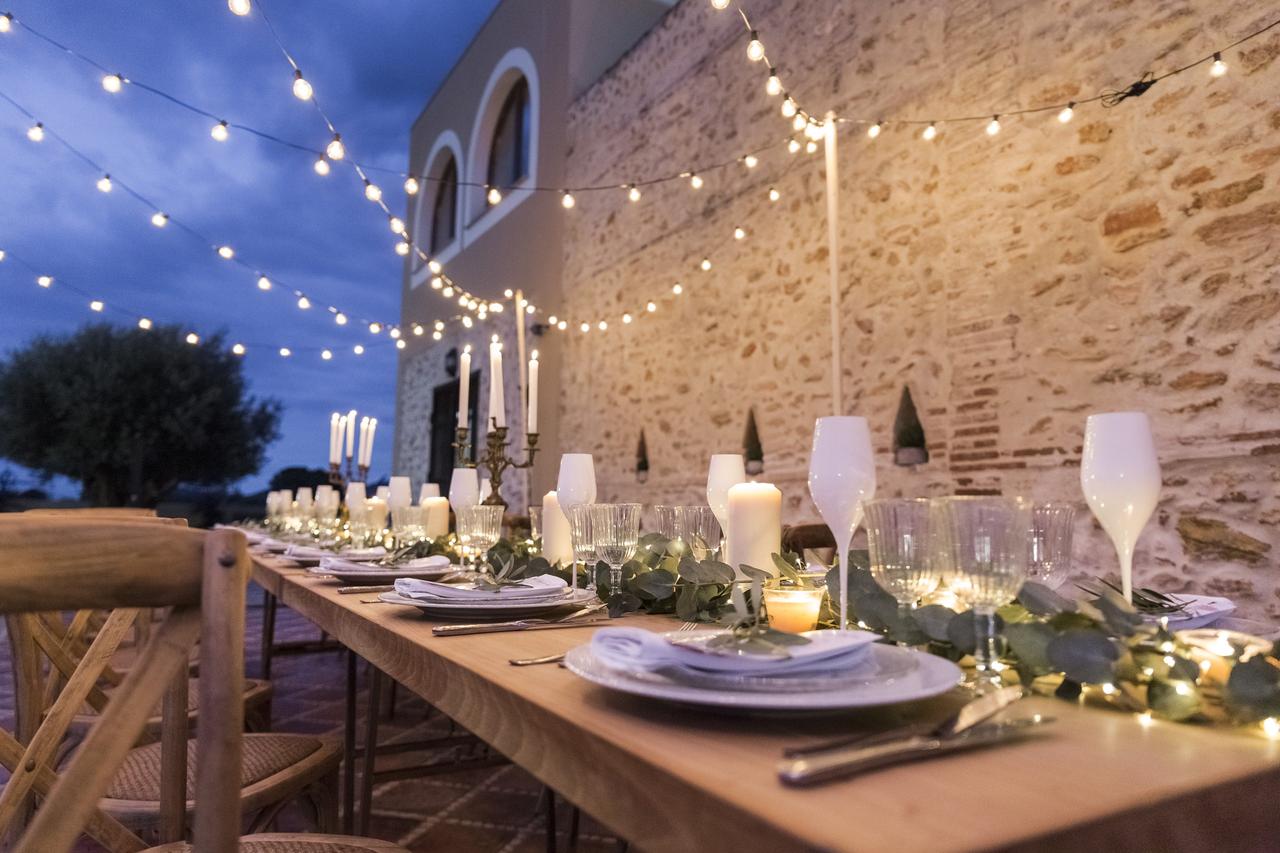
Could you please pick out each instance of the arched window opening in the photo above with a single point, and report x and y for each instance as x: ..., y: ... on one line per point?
x: 509, y: 150
x: 444, y: 212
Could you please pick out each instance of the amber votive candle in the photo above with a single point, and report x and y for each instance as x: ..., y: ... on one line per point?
x: 793, y: 609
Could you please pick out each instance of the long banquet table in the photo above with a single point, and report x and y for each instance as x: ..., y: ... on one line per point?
x: 669, y: 778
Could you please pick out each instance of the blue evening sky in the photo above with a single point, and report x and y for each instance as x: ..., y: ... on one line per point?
x: 373, y: 64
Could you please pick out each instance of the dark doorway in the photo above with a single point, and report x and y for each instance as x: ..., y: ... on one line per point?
x: 444, y: 424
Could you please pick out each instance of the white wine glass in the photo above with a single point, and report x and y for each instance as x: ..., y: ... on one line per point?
x: 1120, y: 476
x: 576, y: 486
x: 464, y: 489
x: 725, y: 471
x: 899, y: 542
x: 615, y: 530
x: 842, y: 474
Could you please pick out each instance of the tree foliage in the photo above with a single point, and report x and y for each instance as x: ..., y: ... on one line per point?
x: 298, y: 476
x: 131, y: 413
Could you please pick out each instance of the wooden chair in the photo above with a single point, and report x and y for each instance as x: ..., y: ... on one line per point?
x: 115, y: 512
x: 65, y: 564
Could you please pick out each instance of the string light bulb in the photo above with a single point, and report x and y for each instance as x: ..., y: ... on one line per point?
x: 585, y: 327
x: 6, y: 22
x: 220, y: 132
x: 402, y: 248
x: 773, y: 86
x: 264, y: 283
x: 793, y: 145
x: 1218, y: 68
x: 789, y: 107
x: 104, y: 184
x: 874, y: 130
x: 159, y: 219
x: 321, y: 166
x: 466, y: 322
x: 437, y: 335
x: 929, y: 132
x: 439, y: 325
x: 36, y: 132
x: 411, y: 186
x: 45, y: 281
x: 651, y: 307
x: 633, y: 193
x: 739, y: 233
x: 304, y: 303
x: 706, y: 267
x: 236, y: 349
x: 400, y: 344
x: 301, y: 88
x: 495, y: 307
x: 340, y: 318
x: 567, y: 200
x: 799, y: 122
x: 755, y: 47
x: 434, y: 266
x: 372, y: 191
x: 144, y: 323
x: 394, y: 333
x: 418, y: 330
x: 677, y: 288
x: 113, y: 83
x: 396, y: 224
x: 238, y: 7
x: 751, y: 161
x: 335, y: 149
x: 96, y: 305
x: 193, y: 339
x: 719, y: 5
x: 993, y: 126
x: 695, y: 181
x: 494, y: 196
x: 602, y: 325
x: 562, y: 325
x: 626, y: 319
x: 810, y: 147
x: 285, y: 352
x: 326, y: 354
x: 774, y: 195
x: 226, y: 252
x: 1067, y: 112
x: 358, y: 349
x: 375, y: 328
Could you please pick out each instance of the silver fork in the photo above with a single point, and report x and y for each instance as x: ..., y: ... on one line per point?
x: 690, y: 626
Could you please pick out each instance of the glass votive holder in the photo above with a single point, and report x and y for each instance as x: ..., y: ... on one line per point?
x: 793, y: 609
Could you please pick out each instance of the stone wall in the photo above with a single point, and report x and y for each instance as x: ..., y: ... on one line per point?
x: 1126, y: 260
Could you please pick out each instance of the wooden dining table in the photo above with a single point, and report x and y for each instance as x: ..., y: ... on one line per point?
x: 676, y: 778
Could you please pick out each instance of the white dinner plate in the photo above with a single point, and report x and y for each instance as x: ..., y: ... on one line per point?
x: 929, y: 676
x: 494, y: 610
x: 1201, y: 611
x: 382, y: 577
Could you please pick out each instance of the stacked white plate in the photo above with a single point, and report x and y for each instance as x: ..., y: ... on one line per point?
x: 310, y: 555
x: 356, y: 573
x: 534, y: 596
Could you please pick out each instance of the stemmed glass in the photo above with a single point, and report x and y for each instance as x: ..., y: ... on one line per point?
x: 987, y: 541
x: 842, y: 474
x: 700, y: 529
x: 464, y: 489
x: 535, y: 523
x: 479, y: 528
x: 575, y: 487
x: 615, y: 529
x: 584, y: 546
x: 1049, y: 554
x: 898, y: 538
x: 726, y: 471
x: 1120, y: 475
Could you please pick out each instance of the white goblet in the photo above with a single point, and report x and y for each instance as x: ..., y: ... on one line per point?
x: 842, y: 474
x: 576, y: 486
x: 464, y: 489
x: 400, y: 493
x: 1120, y: 476
x: 726, y: 471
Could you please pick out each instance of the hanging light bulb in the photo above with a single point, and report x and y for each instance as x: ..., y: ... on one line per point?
x: 436, y: 282
x: 793, y: 145
x: 6, y: 22
x: 929, y: 132
x: 508, y: 293
x: 626, y: 318
x: 439, y: 325
x: 695, y: 181
x: 774, y: 195
x: 402, y: 248
x: 220, y: 132
x: 789, y: 107
x: 304, y: 303
x: 810, y: 147
x: 447, y: 293
x: 602, y: 325
x: 112, y: 83
x: 494, y: 196
x: 36, y: 132
x: 372, y: 191
x: 396, y: 224
x: 462, y: 300
x: 566, y: 200
x: 45, y: 281
x: 434, y: 266
x: 375, y: 328
x: 226, y: 252
x: 585, y: 327
x: 285, y: 352
x: 651, y: 307
x: 301, y: 88
x: 358, y: 349
x: 495, y: 307
x: 159, y: 219
x: 1067, y: 112
x: 193, y: 339
x: 633, y: 193
x: 340, y: 318
x: 739, y: 233
x: 264, y: 283
x: 706, y: 266
x: 326, y: 354
x: 104, y: 184
x: 144, y: 323
x: 751, y: 161
x: 394, y: 333
x: 335, y: 149
x: 237, y: 349
x: 815, y: 129
x: 238, y: 7
x: 400, y: 344
x: 321, y: 165
x: 562, y: 325
x: 677, y: 288
x: 437, y: 335
x: 96, y: 305
x: 773, y: 86
x: 418, y: 330
x: 755, y: 47
x: 466, y: 322
x: 1218, y: 68
x: 993, y: 126
x: 799, y: 122
x: 529, y: 309
x: 874, y: 130
x: 411, y: 186
x: 720, y: 5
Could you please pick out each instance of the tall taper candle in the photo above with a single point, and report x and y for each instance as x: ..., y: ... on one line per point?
x: 335, y: 438
x: 364, y: 431
x: 464, y: 387
x: 755, y: 526
x: 532, y: 420
x: 368, y: 445
x: 497, y: 403
x: 351, y: 432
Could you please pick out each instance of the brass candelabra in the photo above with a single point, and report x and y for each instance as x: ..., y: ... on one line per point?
x: 495, y: 458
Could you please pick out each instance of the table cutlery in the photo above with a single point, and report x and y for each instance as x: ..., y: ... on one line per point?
x: 569, y: 621
x: 972, y: 713
x: 352, y: 590
x: 838, y: 764
x: 556, y: 658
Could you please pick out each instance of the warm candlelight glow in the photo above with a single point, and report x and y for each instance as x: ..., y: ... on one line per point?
x: 793, y: 610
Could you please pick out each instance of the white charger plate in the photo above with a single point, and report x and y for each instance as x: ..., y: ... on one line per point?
x: 929, y: 676
x: 1202, y: 611
x: 494, y: 610
x: 377, y: 577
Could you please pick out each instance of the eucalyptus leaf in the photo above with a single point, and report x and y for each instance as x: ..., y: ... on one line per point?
x: 622, y: 603
x: 1084, y: 655
x: 687, y: 601
x: 1119, y: 615
x: 933, y: 620
x: 1043, y: 601
x: 1173, y: 700
x: 655, y: 585
x: 1030, y: 642
x: 755, y: 574
x: 1255, y: 683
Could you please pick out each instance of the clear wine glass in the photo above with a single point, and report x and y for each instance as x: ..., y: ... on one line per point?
x: 842, y: 474
x: 700, y: 530
x: 615, y: 528
x: 576, y: 486
x: 583, y: 543
x: 1120, y: 476
x: 1049, y: 557
x: 898, y: 537
x: 485, y: 529
x: 987, y: 540
x: 535, y: 523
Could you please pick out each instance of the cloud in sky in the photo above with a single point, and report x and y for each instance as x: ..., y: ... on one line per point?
x: 373, y: 65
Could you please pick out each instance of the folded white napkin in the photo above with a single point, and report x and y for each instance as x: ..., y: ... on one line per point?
x: 540, y: 588
x: 310, y: 552
x: 345, y: 566
x: 636, y: 648
x: 253, y: 536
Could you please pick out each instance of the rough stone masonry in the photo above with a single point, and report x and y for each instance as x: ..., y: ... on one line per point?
x: 1125, y: 260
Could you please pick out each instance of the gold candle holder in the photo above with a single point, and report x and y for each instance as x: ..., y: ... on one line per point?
x: 496, y: 459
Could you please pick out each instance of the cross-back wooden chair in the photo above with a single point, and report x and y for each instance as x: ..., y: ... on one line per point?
x: 63, y: 564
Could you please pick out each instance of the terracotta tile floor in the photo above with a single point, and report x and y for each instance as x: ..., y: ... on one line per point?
x: 494, y: 809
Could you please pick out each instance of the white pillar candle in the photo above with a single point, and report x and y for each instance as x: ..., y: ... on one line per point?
x: 304, y: 499
x: 355, y: 494
x: 557, y: 544
x: 464, y: 387
x: 532, y: 420
x: 335, y: 438
x: 755, y: 525
x: 435, y: 514
x: 497, y: 404
x: 351, y: 432
x: 401, y: 493
x: 428, y: 490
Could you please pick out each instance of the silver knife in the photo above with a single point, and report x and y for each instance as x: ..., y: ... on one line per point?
x: 499, y: 627
x: 839, y: 764
x: 970, y: 714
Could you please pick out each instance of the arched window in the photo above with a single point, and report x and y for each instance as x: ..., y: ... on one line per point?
x: 509, y: 151
x: 444, y: 212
